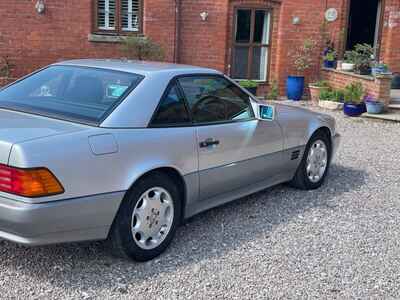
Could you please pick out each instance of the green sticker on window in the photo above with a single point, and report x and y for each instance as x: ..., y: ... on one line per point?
x: 116, y: 90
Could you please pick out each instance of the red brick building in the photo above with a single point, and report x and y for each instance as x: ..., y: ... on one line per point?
x: 243, y: 38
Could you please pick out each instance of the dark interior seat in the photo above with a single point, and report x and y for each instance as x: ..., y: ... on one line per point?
x: 86, y: 89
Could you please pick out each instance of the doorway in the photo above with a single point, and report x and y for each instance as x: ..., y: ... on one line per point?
x: 364, y: 23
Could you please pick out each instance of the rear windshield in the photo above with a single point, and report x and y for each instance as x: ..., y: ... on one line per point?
x: 80, y: 94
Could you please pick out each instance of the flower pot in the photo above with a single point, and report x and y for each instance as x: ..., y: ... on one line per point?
x: 396, y: 82
x: 315, y: 92
x: 252, y: 90
x: 378, y: 70
x: 347, y: 67
x: 364, y: 71
x: 330, y: 64
x: 354, y: 109
x: 332, y: 105
x: 295, y: 87
x: 374, y: 107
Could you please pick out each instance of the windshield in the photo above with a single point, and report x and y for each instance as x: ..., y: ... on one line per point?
x: 71, y: 93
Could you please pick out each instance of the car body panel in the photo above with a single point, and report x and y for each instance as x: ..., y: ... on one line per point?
x: 72, y: 220
x: 17, y: 127
x: 99, y: 164
x: 85, y: 174
x: 248, y: 151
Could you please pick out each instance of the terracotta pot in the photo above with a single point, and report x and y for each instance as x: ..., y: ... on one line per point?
x: 314, y: 93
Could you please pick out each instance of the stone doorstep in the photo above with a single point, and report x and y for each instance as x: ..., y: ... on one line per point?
x: 395, y: 95
x: 394, y: 106
x: 393, y: 116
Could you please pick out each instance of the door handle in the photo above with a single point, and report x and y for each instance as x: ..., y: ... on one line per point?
x: 208, y: 143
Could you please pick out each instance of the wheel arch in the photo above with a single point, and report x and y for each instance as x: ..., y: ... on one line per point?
x: 172, y: 173
x: 322, y: 129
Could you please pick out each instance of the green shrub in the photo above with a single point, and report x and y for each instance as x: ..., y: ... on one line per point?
x: 331, y: 95
x: 302, y: 56
x: 142, y: 48
x: 248, y: 83
x: 274, y: 90
x: 353, y: 93
x: 361, y: 56
x: 4, y: 67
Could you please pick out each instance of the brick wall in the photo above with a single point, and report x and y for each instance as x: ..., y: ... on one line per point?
x: 378, y: 87
x: 390, y: 45
x: 62, y: 33
x: 32, y: 40
x: 203, y: 43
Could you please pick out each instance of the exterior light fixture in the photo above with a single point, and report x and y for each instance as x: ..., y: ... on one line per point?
x: 204, y: 16
x: 40, y: 6
x: 296, y: 20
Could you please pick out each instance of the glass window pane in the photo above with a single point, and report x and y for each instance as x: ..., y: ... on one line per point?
x: 172, y: 110
x: 130, y: 12
x: 69, y: 92
x: 240, y: 62
x: 215, y: 99
x: 243, y: 24
x: 259, y: 65
x: 261, y: 27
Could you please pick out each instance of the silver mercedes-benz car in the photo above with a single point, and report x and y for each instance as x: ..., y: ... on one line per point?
x: 124, y: 151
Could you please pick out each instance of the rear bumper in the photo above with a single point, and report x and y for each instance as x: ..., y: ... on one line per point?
x: 336, y: 141
x: 73, y: 220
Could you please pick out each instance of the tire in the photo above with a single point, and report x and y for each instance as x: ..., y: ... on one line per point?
x: 138, y: 218
x: 301, y: 179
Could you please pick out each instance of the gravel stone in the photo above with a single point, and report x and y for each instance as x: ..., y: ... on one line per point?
x: 339, y: 242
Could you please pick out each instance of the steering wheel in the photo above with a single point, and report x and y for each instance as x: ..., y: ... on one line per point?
x: 212, y: 105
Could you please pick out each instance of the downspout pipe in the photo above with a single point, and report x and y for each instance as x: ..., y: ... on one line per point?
x: 177, y: 30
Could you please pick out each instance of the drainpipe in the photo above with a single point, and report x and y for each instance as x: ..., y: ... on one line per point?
x: 177, y: 30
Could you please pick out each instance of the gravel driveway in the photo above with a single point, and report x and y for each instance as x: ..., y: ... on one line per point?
x: 342, y: 241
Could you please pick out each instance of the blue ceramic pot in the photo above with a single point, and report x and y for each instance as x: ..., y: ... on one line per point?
x: 295, y: 87
x: 252, y: 90
x: 354, y: 110
x: 330, y: 64
x: 374, y: 107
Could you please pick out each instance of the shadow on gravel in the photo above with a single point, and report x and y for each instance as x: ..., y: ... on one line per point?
x: 204, y: 238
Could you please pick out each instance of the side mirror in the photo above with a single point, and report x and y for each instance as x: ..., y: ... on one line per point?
x: 265, y: 112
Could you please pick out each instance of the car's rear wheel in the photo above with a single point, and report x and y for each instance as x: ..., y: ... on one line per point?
x: 147, y: 219
x: 314, y: 166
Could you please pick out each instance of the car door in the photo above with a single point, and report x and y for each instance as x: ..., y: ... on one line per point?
x: 235, y: 150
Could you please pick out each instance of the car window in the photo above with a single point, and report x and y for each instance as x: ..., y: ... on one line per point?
x: 215, y: 99
x: 172, y: 110
x: 70, y: 92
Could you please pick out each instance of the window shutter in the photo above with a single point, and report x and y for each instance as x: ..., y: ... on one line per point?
x: 106, y: 14
x: 130, y: 14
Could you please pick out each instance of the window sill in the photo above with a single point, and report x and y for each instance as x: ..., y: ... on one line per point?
x: 107, y: 38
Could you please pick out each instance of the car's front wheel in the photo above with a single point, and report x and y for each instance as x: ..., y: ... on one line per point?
x: 147, y: 219
x: 314, y: 166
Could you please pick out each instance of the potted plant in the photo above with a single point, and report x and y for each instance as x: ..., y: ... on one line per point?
x: 331, y: 99
x: 379, y: 68
x: 316, y: 88
x: 302, y: 61
x: 353, y: 100
x: 330, y: 56
x: 348, y: 63
x: 373, y: 106
x: 273, y: 91
x: 362, y: 56
x: 249, y: 85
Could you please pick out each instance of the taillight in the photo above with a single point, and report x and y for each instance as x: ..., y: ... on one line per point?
x: 37, y: 182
